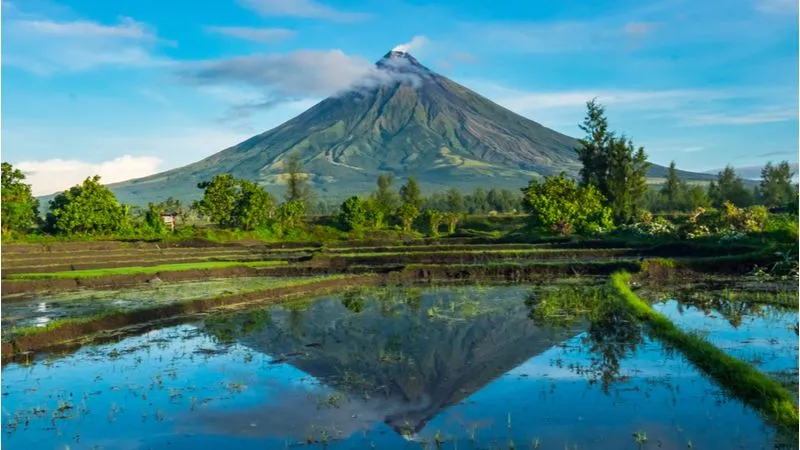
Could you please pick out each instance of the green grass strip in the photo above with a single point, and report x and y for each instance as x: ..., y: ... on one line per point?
x: 138, y: 270
x: 741, y: 379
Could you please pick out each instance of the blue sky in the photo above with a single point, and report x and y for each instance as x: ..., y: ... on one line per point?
x: 132, y: 87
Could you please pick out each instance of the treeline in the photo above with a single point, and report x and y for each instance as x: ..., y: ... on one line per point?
x: 611, y: 191
x: 775, y: 190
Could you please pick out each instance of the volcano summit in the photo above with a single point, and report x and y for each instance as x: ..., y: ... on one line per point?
x: 401, y: 118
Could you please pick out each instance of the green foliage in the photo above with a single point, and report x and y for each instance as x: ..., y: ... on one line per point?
x: 374, y: 214
x: 410, y: 193
x: 20, y: 209
x: 254, y: 206
x: 352, y: 214
x: 674, y: 192
x: 451, y: 219
x: 297, y: 187
x: 407, y: 213
x: 87, y: 208
x: 613, y: 165
x: 454, y: 201
x: 290, y: 214
x: 558, y: 205
x: 729, y: 187
x: 219, y: 200
x: 235, y: 203
x: 736, y: 376
x: 776, y: 188
x: 152, y: 219
x: 385, y: 198
x: 432, y: 220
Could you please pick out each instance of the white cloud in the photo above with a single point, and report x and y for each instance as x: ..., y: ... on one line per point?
x: 295, y: 76
x: 44, y: 45
x: 414, y: 44
x: 302, y: 73
x: 254, y: 34
x: 175, y: 147
x: 301, y: 8
x: 783, y: 115
x: 55, y: 175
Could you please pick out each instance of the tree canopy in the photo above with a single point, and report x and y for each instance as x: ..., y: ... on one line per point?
x: 87, y: 208
x: 20, y: 209
x: 559, y: 205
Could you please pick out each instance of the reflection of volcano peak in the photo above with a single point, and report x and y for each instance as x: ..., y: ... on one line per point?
x: 409, y: 363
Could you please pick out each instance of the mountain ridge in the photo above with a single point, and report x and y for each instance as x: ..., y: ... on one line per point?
x: 401, y: 118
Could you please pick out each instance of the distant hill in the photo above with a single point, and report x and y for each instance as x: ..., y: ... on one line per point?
x: 405, y: 119
x: 752, y: 172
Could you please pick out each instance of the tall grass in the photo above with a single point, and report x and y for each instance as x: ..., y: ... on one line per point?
x: 741, y: 379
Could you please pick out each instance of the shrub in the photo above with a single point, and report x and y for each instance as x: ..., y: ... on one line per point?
x: 559, y: 205
x: 352, y: 214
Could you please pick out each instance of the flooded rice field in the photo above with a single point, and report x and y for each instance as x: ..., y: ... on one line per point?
x: 40, y: 309
x: 455, y: 367
x: 761, y: 334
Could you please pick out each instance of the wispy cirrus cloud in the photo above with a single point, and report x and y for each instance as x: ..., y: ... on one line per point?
x: 751, y: 118
x: 45, y: 45
x: 309, y: 9
x: 253, y: 34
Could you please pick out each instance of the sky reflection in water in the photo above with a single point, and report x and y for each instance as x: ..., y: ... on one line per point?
x: 462, y: 364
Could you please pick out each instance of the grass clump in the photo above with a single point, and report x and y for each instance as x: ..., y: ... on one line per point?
x: 738, y: 377
x: 138, y: 270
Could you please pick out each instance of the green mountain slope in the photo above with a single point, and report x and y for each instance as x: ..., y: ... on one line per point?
x: 405, y: 119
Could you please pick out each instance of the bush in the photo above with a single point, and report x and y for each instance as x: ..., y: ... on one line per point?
x: 558, y: 205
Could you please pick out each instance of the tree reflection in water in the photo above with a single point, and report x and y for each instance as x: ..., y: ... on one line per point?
x: 613, y: 333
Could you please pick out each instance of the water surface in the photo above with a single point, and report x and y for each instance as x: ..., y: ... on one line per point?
x: 458, y: 367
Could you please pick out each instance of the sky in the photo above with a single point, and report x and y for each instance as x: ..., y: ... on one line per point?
x: 128, y: 88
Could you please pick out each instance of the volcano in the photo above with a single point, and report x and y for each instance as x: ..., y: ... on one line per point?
x: 402, y: 118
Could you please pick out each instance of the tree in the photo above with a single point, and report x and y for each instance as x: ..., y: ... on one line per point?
x: 479, y: 203
x: 20, y: 209
x: 385, y: 197
x: 236, y: 203
x: 776, y: 185
x: 729, y: 187
x: 297, y: 186
x: 407, y: 213
x: 674, y: 191
x: 254, y: 206
x: 697, y: 197
x: 613, y: 165
x: 454, y: 201
x: 219, y: 200
x: 290, y: 214
x: 410, y: 193
x: 373, y: 214
x: 593, y: 152
x: 87, y: 208
x: 433, y: 219
x: 452, y: 218
x: 559, y: 205
x: 352, y: 214
x: 152, y: 218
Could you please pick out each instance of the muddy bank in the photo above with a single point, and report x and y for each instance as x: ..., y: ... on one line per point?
x: 17, y: 289
x: 508, y: 272
x: 143, y: 263
x: 71, y: 331
x: 58, y: 247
